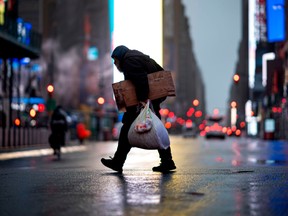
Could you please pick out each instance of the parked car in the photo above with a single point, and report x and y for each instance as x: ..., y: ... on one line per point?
x: 189, y: 130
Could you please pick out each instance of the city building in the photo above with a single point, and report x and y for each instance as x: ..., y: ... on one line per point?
x: 263, y: 70
x: 74, y: 56
x: 179, y: 58
x: 19, y: 42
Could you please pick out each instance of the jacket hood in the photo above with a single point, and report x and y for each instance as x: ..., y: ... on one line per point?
x: 119, y: 52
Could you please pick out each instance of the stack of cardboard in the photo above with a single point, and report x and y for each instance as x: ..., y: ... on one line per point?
x: 160, y: 84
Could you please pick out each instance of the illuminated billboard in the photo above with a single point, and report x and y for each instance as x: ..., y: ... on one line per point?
x: 275, y: 11
x: 252, y: 37
x: 138, y: 25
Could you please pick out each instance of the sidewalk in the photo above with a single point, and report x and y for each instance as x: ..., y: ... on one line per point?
x: 38, y: 150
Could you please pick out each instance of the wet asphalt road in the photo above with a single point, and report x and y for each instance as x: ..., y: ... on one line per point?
x: 213, y: 177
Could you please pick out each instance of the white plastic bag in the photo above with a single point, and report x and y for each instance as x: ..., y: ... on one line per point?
x: 148, y: 132
x: 144, y: 120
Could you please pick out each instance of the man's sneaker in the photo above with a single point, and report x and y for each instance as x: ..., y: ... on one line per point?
x: 112, y: 164
x: 165, y: 166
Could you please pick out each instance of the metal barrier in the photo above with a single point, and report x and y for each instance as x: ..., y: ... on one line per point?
x: 23, y: 137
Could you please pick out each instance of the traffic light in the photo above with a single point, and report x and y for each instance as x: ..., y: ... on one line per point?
x: 41, y: 107
x: 236, y: 78
x: 51, y: 102
x: 32, y: 113
x: 50, y: 90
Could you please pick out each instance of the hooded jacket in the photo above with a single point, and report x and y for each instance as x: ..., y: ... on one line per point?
x: 135, y: 66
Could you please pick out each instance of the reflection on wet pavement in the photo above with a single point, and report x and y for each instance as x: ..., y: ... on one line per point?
x: 249, y: 152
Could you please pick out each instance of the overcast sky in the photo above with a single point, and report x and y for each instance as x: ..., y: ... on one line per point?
x: 215, y: 29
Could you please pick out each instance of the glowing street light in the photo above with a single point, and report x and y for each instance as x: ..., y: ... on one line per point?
x: 236, y: 78
x: 50, y: 88
x: 195, y: 102
x: 101, y: 100
x: 233, y: 104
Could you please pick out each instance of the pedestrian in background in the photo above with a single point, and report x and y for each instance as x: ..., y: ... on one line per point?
x: 59, y: 127
x: 135, y: 66
x: 82, y: 132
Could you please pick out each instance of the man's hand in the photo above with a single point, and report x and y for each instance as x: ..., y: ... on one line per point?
x: 144, y: 102
x: 141, y: 105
